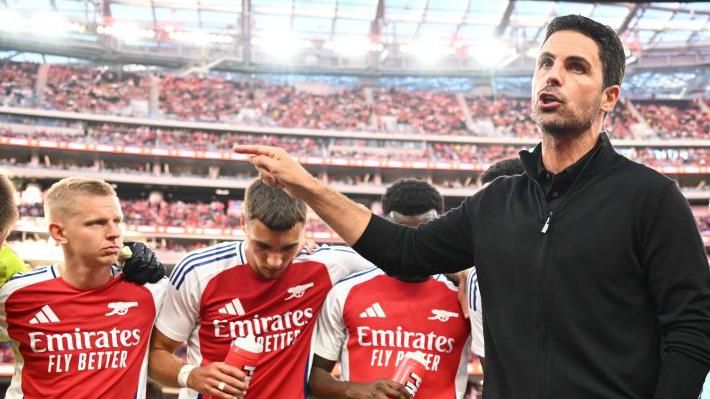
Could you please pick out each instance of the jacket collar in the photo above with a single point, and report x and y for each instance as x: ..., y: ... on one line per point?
x: 601, y: 160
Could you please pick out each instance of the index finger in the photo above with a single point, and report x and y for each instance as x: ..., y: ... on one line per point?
x: 231, y: 371
x: 254, y: 149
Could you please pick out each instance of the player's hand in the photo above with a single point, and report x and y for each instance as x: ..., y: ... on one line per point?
x: 142, y: 267
x: 379, y: 389
x: 209, y: 379
x: 277, y: 169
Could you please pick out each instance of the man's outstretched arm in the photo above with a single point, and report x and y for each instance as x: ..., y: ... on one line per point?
x: 442, y: 245
x: 348, y: 218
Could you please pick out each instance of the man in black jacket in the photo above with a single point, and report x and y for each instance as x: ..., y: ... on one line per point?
x: 591, y: 268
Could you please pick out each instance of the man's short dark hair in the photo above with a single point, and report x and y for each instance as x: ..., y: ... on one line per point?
x: 8, y: 206
x: 611, y: 51
x: 506, y: 167
x: 273, y: 207
x: 411, y: 197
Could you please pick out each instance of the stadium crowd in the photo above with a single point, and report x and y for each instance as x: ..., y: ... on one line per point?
x: 92, y: 90
x: 214, y: 98
x: 17, y: 80
x: 676, y: 120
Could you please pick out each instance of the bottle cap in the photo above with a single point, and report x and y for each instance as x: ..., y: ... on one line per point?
x: 248, y: 343
x: 419, y: 357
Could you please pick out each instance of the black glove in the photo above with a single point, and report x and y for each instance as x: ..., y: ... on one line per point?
x: 143, y: 267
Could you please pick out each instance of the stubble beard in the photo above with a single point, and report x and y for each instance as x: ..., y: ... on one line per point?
x: 566, y: 123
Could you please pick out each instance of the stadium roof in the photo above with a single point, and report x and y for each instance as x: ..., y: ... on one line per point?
x: 385, y: 36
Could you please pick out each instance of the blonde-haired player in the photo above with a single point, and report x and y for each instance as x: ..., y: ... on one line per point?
x: 78, y: 328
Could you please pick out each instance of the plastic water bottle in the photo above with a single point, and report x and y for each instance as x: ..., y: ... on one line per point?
x: 244, y: 354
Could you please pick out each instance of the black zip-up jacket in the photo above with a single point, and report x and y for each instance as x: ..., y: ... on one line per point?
x: 610, y: 300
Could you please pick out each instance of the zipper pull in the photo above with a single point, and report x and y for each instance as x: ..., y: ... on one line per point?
x: 546, y: 226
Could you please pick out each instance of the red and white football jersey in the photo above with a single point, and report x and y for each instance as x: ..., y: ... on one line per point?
x: 72, y: 343
x: 215, y: 297
x: 371, y: 321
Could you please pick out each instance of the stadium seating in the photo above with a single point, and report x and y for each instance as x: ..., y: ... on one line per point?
x: 214, y: 98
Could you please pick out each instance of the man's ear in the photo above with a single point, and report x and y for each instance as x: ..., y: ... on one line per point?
x: 610, y: 96
x: 56, y: 230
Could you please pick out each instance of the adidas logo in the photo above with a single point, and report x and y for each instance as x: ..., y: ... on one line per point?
x: 374, y: 310
x: 233, y: 308
x: 45, y: 315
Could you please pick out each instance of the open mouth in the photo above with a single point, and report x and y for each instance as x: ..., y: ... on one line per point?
x: 549, y: 101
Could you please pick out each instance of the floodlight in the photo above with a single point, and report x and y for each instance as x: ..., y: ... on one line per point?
x: 280, y: 45
x: 350, y: 46
x: 428, y: 51
x: 492, y: 52
x: 13, y: 21
x: 43, y: 23
x: 48, y: 24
